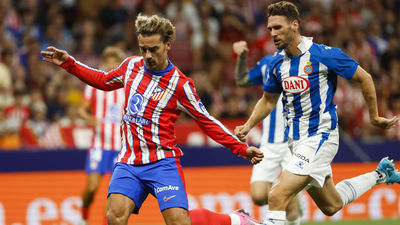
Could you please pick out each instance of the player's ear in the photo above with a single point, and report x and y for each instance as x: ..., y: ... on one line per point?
x: 168, y: 45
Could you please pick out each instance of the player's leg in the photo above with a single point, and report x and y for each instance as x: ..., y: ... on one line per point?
x: 331, y: 198
x: 126, y: 193
x: 293, y: 215
x: 310, y: 162
x: 205, y: 216
x: 96, y: 165
x: 119, y: 208
x: 287, y: 188
x: 93, y: 180
x: 267, y: 171
x: 293, y: 212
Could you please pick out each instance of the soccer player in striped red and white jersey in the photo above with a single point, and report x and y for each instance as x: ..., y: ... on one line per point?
x: 102, y: 110
x: 156, y: 92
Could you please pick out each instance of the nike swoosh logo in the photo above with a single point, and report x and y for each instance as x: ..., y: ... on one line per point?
x: 166, y: 199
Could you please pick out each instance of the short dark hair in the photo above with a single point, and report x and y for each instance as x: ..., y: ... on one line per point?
x: 284, y: 8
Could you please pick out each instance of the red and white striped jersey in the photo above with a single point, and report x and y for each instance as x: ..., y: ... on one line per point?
x: 153, y: 102
x: 107, y: 108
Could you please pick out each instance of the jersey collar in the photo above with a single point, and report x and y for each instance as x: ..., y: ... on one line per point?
x: 304, y: 45
x: 160, y: 72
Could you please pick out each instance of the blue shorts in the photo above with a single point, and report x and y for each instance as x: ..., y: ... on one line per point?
x: 163, y: 179
x: 100, y: 161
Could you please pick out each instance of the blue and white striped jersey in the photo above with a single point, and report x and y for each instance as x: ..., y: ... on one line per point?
x: 308, y: 83
x: 274, y: 126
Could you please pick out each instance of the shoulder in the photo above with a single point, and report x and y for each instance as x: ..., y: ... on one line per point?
x: 325, y: 51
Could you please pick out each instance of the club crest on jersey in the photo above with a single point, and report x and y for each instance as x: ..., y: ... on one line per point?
x: 295, y: 84
x: 158, y: 94
x: 308, y: 68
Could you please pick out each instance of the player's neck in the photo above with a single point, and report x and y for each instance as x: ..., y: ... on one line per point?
x: 292, y: 49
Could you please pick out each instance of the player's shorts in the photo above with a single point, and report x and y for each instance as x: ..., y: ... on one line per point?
x: 276, y: 157
x: 163, y: 179
x: 313, y: 156
x: 100, y: 161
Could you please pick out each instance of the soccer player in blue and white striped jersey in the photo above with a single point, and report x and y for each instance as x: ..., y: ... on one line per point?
x: 274, y: 138
x: 306, y: 75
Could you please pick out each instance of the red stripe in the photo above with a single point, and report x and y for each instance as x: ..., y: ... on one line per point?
x: 180, y: 171
x: 103, y: 129
x: 93, y: 101
x: 113, y: 144
x: 136, y: 145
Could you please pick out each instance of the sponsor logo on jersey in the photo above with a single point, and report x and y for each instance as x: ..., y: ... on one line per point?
x: 135, y: 119
x: 166, y: 188
x: 295, y: 84
x: 308, y: 68
x: 302, y: 157
x: 158, y: 94
x: 135, y: 104
x: 300, y: 164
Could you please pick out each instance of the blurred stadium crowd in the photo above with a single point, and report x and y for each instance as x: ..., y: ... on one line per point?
x: 36, y: 97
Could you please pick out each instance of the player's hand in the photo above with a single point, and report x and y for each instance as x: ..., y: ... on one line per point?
x: 241, y: 132
x: 254, y: 155
x: 54, y: 55
x: 240, y: 47
x: 385, y: 123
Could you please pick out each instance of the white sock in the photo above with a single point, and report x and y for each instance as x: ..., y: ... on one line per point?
x: 294, y: 222
x: 349, y: 190
x: 275, y: 218
x: 235, y: 219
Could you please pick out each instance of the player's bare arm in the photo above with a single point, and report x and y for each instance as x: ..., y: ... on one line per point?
x: 369, y: 93
x: 54, y: 55
x: 262, y: 109
x: 83, y: 112
x: 241, y: 71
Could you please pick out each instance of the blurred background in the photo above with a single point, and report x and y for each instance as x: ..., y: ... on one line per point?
x: 42, y: 137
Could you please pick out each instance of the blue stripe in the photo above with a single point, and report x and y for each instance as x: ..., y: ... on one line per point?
x: 272, y: 126
x: 298, y: 111
x: 353, y: 190
x: 330, y: 106
x: 315, y: 99
x: 325, y: 136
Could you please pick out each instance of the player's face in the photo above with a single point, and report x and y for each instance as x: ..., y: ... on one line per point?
x: 154, y: 51
x: 282, y: 30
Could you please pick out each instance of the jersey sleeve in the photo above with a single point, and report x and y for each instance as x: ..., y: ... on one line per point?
x: 272, y: 85
x: 189, y: 102
x: 106, y: 81
x: 258, y: 74
x: 255, y: 74
x: 339, y: 62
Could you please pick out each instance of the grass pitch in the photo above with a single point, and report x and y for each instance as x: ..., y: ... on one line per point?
x: 357, y: 222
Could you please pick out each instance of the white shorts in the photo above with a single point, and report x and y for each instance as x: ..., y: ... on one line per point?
x: 276, y: 157
x: 313, y: 156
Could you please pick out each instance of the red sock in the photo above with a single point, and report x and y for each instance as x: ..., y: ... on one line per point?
x: 85, y: 213
x: 204, y: 216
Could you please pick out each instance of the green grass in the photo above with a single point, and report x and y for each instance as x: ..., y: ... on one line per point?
x: 357, y: 222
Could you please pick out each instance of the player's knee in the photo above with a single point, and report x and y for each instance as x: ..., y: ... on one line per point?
x: 331, y: 210
x: 92, y: 188
x: 260, y: 199
x: 115, y: 216
x: 276, y: 198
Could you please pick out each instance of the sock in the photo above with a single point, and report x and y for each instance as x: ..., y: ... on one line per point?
x: 294, y: 222
x: 85, y: 213
x: 204, y: 216
x: 349, y: 190
x: 275, y: 218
